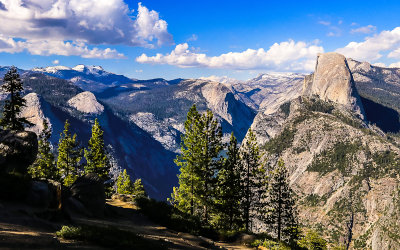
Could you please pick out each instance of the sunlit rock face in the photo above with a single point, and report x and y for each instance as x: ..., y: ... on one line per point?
x: 86, y: 102
x: 333, y: 81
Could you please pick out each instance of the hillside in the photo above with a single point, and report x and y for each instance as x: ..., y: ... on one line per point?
x: 343, y: 169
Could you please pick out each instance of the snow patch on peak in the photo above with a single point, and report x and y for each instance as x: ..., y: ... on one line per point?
x: 89, y: 69
x: 52, y: 69
x: 221, y: 79
x: 86, y: 102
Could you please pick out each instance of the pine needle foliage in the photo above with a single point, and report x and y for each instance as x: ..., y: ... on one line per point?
x: 44, y: 166
x: 281, y: 213
x: 252, y: 178
x: 13, y: 106
x: 95, y: 154
x: 124, y: 184
x: 69, y: 156
x: 230, y: 189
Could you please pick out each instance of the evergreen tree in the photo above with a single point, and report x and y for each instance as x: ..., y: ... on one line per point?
x: 210, y: 162
x: 11, y: 112
x: 229, y: 189
x: 186, y: 196
x: 96, y: 155
x: 138, y: 189
x: 281, y: 214
x: 124, y: 184
x: 44, y: 165
x: 252, y: 177
x: 69, y: 156
x: 199, y: 164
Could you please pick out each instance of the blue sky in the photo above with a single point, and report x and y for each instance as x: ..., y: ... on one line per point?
x: 191, y: 39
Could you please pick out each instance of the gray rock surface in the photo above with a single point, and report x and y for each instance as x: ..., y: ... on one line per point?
x: 18, y: 150
x: 89, y: 190
x: 333, y: 81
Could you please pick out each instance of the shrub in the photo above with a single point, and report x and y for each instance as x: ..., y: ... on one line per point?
x: 313, y: 241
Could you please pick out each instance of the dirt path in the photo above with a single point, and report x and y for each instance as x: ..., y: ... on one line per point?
x: 21, y: 228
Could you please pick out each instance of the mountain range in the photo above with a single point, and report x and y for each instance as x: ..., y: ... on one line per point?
x: 335, y: 129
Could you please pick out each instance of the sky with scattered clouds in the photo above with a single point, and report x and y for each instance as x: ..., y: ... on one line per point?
x: 192, y: 39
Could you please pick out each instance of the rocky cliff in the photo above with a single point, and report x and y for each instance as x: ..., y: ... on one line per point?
x: 344, y: 170
x: 333, y: 81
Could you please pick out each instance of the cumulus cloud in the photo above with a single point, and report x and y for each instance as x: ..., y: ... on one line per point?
x: 284, y: 56
x: 372, y: 48
x: 92, y: 22
x: 55, y: 62
x: 395, y: 65
x: 380, y: 64
x: 48, y: 47
x: 365, y: 30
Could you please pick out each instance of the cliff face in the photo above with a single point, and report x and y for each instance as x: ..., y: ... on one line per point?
x: 343, y: 169
x: 333, y: 81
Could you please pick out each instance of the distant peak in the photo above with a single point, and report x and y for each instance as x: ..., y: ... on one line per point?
x: 81, y: 68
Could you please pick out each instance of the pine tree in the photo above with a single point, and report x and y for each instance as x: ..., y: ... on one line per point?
x: 69, y: 156
x: 96, y: 155
x: 229, y: 189
x: 44, y: 165
x: 138, y: 189
x: 124, y: 184
x: 199, y: 163
x: 11, y: 113
x: 251, y: 177
x: 281, y: 214
x: 186, y: 196
x: 210, y: 162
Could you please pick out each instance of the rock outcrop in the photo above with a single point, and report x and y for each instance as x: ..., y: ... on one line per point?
x: 333, y: 81
x: 18, y: 150
x: 86, y: 102
x: 89, y: 190
x: 33, y: 112
x: 343, y: 169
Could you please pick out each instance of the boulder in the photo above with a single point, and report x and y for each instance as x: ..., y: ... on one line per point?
x: 44, y: 194
x: 18, y: 150
x: 90, y: 191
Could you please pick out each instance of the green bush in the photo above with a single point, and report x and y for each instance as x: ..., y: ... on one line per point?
x: 280, y: 142
x: 312, y: 241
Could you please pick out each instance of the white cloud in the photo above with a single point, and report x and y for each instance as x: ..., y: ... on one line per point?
x: 139, y: 70
x: 284, y: 56
x: 395, y: 65
x: 47, y: 48
x: 89, y: 22
x: 380, y: 64
x: 193, y: 37
x: 55, y: 62
x: 325, y: 23
x: 365, y: 30
x: 371, y: 49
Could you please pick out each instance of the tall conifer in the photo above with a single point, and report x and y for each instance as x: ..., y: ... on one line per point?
x: 281, y: 214
x: 11, y: 112
x: 45, y: 165
x: 95, y: 154
x: 229, y: 188
x: 69, y: 156
x: 251, y: 178
x: 186, y: 196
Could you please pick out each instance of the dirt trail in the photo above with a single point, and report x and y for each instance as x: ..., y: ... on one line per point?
x: 21, y: 228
